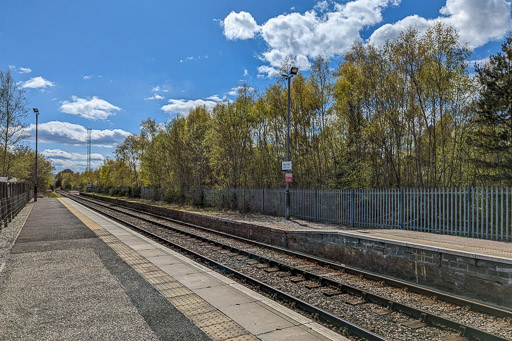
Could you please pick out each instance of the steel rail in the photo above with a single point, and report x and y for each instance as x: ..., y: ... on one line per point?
x: 320, y: 314
x: 426, y: 317
x: 457, y: 300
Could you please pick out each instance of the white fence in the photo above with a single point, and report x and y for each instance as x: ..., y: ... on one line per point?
x: 472, y: 212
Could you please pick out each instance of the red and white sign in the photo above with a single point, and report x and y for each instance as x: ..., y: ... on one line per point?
x: 288, y: 177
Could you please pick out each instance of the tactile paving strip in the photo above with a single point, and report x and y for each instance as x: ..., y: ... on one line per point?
x: 206, y: 317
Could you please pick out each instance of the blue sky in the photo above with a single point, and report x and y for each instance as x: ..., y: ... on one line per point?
x: 108, y: 65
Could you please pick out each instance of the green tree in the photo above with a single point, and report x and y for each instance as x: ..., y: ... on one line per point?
x: 23, y: 167
x: 492, y: 136
x: 12, y: 113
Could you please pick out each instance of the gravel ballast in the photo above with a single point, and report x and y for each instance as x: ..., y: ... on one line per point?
x: 9, y: 234
x: 394, y: 328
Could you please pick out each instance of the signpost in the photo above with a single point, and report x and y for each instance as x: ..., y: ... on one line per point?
x: 288, y: 177
x: 286, y: 166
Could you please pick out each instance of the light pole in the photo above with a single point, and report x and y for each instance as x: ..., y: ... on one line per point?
x: 36, y: 111
x: 293, y: 72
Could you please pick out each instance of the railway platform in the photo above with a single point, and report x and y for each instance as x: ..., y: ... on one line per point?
x: 73, y: 274
x: 471, y: 268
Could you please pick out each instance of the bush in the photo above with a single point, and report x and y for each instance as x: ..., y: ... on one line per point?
x: 135, y: 192
x: 170, y: 196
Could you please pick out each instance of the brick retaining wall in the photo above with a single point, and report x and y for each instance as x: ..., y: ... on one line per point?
x: 484, y: 278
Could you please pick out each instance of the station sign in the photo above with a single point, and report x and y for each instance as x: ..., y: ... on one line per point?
x: 286, y: 166
x: 288, y: 177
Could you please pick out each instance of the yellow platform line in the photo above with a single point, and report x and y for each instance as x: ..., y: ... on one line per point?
x: 206, y: 317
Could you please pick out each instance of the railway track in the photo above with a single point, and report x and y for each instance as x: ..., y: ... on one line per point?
x: 360, y: 304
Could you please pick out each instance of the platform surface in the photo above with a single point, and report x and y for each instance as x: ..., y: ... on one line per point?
x: 73, y: 274
x: 487, y: 249
x: 473, y: 247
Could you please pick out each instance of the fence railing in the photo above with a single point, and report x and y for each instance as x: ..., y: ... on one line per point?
x: 481, y: 212
x: 13, y: 197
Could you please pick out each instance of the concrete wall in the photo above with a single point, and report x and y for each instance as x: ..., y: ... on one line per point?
x: 484, y: 278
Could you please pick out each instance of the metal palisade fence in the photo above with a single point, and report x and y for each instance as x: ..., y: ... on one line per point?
x: 482, y: 212
x: 13, y: 197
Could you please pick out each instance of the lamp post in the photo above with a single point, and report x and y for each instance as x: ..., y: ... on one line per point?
x: 293, y: 71
x: 36, y: 111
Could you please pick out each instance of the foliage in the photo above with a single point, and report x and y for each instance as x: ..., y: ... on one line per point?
x: 400, y: 115
x: 52, y: 195
x: 12, y: 113
x: 23, y: 167
x: 492, y: 133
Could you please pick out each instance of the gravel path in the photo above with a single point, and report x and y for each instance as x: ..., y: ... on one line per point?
x: 9, y: 234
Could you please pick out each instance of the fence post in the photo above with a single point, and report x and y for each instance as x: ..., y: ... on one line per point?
x: 9, y: 203
x: 244, y: 203
x: 3, y: 221
x: 470, y: 211
x: 401, y: 208
x: 352, y: 207
x: 316, y: 205
x: 263, y: 201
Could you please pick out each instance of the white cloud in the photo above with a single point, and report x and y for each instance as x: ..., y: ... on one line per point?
x: 330, y: 28
x: 480, y: 62
x: 234, y: 91
x: 37, y: 82
x: 216, y: 98
x: 181, y: 106
x: 321, y: 6
x: 94, y: 109
x: 327, y: 30
x: 391, y: 31
x: 158, y: 88
x: 155, y: 96
x: 268, y: 71
x: 87, y: 77
x: 75, y: 134
x: 25, y: 70
x: 75, y: 161
x: 477, y: 21
x: 240, y: 26
x: 75, y: 165
x: 63, y: 155
x: 246, y: 73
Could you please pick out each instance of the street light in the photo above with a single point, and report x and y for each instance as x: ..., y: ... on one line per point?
x: 293, y: 72
x: 36, y: 111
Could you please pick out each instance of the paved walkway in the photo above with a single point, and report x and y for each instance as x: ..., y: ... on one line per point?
x: 73, y: 274
x: 61, y: 282
x: 476, y: 248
